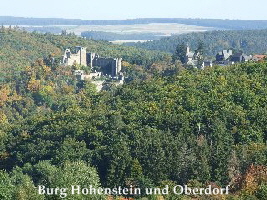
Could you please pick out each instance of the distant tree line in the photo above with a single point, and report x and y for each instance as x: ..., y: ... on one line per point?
x: 247, y: 41
x: 109, y: 36
x: 217, y: 23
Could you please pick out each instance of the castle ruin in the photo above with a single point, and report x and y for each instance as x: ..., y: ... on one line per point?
x: 108, y: 66
x: 78, y: 57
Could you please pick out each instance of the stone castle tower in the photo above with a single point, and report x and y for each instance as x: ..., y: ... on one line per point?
x: 79, y: 57
x: 82, y: 52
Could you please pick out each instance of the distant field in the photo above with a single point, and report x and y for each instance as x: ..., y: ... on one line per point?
x: 163, y: 28
x: 155, y: 29
x: 127, y: 41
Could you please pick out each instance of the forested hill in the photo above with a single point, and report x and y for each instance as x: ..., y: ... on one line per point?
x: 173, y: 127
x: 195, y: 127
x: 217, y: 23
x: 19, y: 48
x: 248, y: 41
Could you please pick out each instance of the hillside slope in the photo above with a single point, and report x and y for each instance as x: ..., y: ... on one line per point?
x: 248, y: 41
x: 19, y: 48
x: 198, y: 126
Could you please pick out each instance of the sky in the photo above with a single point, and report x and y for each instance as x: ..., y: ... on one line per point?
x: 123, y: 9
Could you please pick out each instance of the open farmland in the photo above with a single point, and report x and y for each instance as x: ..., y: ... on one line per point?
x: 159, y: 28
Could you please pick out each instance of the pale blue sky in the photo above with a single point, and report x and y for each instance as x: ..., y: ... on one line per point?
x: 123, y: 9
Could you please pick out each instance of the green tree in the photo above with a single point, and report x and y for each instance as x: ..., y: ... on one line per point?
x: 6, y: 186
x: 200, y: 54
x: 180, y: 53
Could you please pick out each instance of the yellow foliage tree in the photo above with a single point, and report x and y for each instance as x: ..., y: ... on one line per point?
x: 34, y: 85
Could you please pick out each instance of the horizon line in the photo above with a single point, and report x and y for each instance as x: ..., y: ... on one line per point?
x: 129, y: 19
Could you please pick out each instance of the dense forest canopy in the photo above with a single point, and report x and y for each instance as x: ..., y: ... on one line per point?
x: 168, y: 125
x: 248, y: 41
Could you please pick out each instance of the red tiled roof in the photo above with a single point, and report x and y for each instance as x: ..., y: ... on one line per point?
x: 259, y: 56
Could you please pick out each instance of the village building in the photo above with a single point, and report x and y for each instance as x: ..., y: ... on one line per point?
x: 190, y: 56
x: 192, y: 60
x: 240, y: 57
x: 224, y: 63
x: 227, y: 57
x: 207, y: 64
x: 224, y: 55
x: 259, y: 58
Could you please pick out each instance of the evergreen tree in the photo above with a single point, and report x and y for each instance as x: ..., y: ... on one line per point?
x: 200, y: 54
x: 180, y: 53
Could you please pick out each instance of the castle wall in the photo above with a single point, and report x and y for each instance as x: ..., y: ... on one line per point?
x: 106, y: 65
x: 75, y: 58
x: 109, y: 66
x: 118, y: 65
